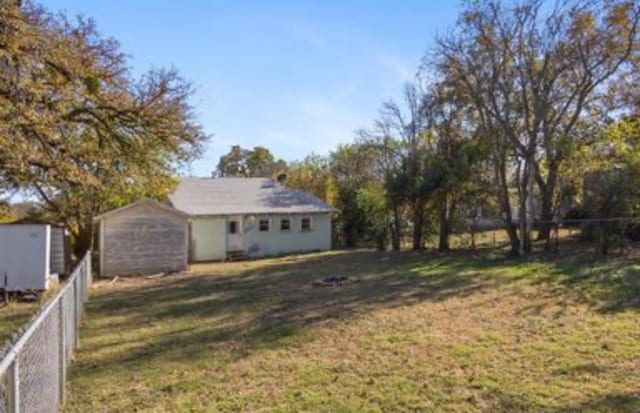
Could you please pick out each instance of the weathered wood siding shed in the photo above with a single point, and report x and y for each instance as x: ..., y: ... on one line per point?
x: 143, y: 238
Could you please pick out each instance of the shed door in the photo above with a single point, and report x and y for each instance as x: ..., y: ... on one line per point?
x: 234, y: 233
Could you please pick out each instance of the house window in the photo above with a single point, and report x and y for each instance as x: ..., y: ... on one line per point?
x: 233, y: 227
x: 285, y: 224
x: 264, y: 225
x: 305, y: 224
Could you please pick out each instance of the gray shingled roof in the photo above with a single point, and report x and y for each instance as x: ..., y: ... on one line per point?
x: 224, y: 196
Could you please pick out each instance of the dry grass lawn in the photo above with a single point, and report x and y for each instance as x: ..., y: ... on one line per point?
x: 13, y: 317
x: 418, y: 333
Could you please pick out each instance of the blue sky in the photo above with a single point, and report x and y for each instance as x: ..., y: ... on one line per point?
x: 294, y: 76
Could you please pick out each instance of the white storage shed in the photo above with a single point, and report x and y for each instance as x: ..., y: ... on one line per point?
x: 31, y: 256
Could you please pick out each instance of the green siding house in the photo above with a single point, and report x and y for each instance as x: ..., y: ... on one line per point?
x: 233, y: 218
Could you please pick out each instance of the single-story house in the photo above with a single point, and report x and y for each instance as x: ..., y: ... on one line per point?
x: 253, y: 217
x: 210, y: 219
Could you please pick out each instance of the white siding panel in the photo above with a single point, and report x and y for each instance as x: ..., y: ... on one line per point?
x: 24, y: 257
x: 208, y: 238
x: 277, y: 242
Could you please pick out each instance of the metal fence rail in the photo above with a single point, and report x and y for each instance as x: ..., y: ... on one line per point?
x: 33, y: 370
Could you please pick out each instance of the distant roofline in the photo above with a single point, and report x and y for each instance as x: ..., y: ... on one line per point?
x: 262, y: 213
x: 214, y: 178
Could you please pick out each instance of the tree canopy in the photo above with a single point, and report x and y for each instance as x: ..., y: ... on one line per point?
x: 249, y: 163
x: 77, y: 131
x: 510, y: 109
x: 509, y: 112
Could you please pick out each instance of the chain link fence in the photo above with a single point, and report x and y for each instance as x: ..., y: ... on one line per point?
x: 600, y: 235
x: 33, y: 369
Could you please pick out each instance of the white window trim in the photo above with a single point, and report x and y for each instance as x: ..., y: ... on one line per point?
x: 290, y: 224
x: 268, y: 224
x: 310, y: 218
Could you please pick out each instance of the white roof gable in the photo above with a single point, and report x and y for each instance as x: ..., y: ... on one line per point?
x: 226, y: 196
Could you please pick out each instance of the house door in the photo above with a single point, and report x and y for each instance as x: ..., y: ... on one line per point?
x: 234, y: 234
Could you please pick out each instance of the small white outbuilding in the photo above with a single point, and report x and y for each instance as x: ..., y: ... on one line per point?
x: 31, y: 256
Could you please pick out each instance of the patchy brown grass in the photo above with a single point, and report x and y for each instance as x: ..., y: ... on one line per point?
x: 419, y: 332
x: 14, y: 316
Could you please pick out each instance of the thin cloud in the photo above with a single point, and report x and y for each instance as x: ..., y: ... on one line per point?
x: 403, y: 71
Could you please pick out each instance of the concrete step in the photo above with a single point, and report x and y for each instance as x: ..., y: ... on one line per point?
x: 236, y: 255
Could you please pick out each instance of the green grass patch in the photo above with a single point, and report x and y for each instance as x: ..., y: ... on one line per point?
x: 13, y: 317
x: 418, y: 332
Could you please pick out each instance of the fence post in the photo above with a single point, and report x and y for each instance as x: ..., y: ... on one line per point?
x: 15, y: 385
x: 76, y: 313
x: 63, y: 353
x: 80, y: 290
x: 88, y: 276
x: 85, y: 267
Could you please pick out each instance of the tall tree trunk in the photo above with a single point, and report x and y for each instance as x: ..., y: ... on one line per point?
x: 547, y: 191
x: 382, y: 239
x: 351, y: 237
x: 505, y: 206
x: 396, y: 232
x: 525, y: 213
x: 418, y: 224
x: 445, y: 224
x: 546, y: 215
x: 83, y: 239
x: 522, y: 224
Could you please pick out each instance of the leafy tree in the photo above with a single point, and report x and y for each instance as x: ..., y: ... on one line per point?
x: 350, y: 170
x: 261, y: 162
x: 412, y: 179
x: 247, y: 163
x: 460, y: 154
x: 6, y: 214
x: 372, y: 201
x: 234, y: 162
x: 76, y: 129
x: 385, y: 155
x: 532, y: 73
x: 614, y: 176
x: 313, y: 174
x: 618, y: 195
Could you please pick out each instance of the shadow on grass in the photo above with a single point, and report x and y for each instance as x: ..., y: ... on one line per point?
x: 269, y: 306
x: 609, y: 285
x: 618, y: 402
x: 272, y: 305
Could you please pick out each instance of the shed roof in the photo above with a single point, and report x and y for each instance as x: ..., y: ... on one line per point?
x: 227, y: 196
x: 33, y: 221
x: 150, y: 202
